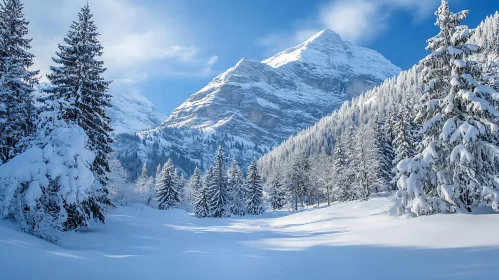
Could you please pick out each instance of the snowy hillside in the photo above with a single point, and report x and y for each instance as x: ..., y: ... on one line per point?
x: 254, y: 106
x: 265, y: 102
x: 132, y: 112
x: 315, y: 244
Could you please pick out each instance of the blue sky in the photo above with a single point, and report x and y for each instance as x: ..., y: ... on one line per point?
x: 169, y: 49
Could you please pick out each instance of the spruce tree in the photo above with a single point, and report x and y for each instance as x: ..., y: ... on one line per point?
x: 236, y: 190
x: 202, y: 203
x: 195, y: 185
x: 254, y: 190
x: 277, y: 195
x: 299, y: 180
x: 341, y: 188
x: 361, y: 165
x: 78, y: 80
x: 17, y: 112
x: 403, y: 134
x: 168, y: 194
x: 217, y: 188
x: 457, y: 167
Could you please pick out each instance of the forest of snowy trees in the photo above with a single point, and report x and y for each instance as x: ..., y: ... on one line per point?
x: 428, y: 137
x: 429, y: 134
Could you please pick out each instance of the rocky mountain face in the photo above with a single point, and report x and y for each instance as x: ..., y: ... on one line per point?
x: 255, y: 106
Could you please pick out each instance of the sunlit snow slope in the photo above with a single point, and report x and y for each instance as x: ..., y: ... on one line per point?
x: 354, y: 240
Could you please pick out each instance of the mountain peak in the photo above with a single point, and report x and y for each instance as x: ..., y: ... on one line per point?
x: 324, y: 36
x: 321, y: 47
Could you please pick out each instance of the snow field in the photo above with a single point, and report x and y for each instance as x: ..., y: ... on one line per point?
x: 355, y: 240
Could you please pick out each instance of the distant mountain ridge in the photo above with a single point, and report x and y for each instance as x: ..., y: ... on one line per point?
x: 255, y: 106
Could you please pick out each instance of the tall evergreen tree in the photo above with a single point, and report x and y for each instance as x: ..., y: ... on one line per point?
x: 299, y: 179
x: 277, y: 195
x: 361, y: 165
x: 202, y: 203
x: 217, y: 188
x: 237, y: 193
x: 384, y: 142
x: 168, y: 193
x: 195, y: 185
x: 403, y: 134
x: 17, y: 112
x: 458, y: 166
x: 78, y: 80
x: 341, y: 189
x: 254, y: 190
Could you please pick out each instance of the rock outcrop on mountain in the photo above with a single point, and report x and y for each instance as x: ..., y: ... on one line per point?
x: 255, y: 106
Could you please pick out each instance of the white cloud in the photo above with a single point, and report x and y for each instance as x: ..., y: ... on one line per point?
x: 363, y: 20
x: 137, y: 41
x: 358, y: 21
x: 276, y: 42
x: 354, y: 20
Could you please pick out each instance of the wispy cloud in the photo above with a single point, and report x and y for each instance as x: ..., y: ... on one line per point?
x: 137, y: 43
x: 358, y: 21
x: 363, y: 20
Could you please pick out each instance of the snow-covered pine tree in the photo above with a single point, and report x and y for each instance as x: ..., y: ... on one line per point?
x: 219, y: 199
x: 340, y: 188
x: 145, y: 187
x: 386, y: 157
x: 361, y: 164
x: 458, y: 166
x: 78, y: 80
x: 254, y: 190
x: 298, y: 179
x: 168, y: 195
x: 202, y: 203
x: 195, y: 186
x: 237, y: 192
x: 322, y: 172
x: 277, y: 194
x: 403, y: 130
x: 17, y: 112
x: 53, y: 188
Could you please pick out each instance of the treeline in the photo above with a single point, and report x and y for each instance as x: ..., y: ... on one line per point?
x: 221, y: 192
x: 430, y: 134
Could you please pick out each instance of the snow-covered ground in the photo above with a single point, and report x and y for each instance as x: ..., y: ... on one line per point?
x: 354, y: 240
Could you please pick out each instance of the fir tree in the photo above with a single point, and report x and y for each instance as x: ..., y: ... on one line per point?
x: 340, y: 164
x: 236, y: 190
x: 217, y: 188
x: 457, y: 167
x: 361, y: 165
x: 17, y: 112
x: 277, y: 195
x: 384, y: 143
x: 78, y: 80
x: 403, y: 134
x: 254, y: 190
x: 168, y: 194
x: 195, y: 185
x: 202, y: 203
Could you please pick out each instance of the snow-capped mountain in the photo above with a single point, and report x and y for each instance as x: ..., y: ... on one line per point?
x: 132, y: 112
x: 254, y: 105
x: 266, y: 102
